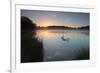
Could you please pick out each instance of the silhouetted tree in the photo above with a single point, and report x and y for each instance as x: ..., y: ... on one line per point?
x: 26, y: 23
x: 31, y: 47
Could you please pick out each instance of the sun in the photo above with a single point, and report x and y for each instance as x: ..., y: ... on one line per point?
x: 45, y: 23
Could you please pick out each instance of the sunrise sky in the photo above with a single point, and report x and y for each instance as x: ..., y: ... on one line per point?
x: 49, y: 18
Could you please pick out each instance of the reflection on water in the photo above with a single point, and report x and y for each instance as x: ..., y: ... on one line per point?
x: 63, y: 44
x: 55, y: 45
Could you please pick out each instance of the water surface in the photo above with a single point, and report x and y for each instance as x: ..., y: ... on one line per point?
x: 60, y: 45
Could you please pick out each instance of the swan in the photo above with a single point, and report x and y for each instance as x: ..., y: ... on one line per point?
x: 64, y: 39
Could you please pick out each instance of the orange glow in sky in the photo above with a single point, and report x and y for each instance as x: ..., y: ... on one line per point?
x: 57, y: 18
x: 45, y: 23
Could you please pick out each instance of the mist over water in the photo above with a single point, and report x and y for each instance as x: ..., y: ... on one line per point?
x: 59, y: 45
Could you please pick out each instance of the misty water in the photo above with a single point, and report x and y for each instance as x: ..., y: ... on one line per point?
x: 59, y: 45
x: 54, y: 45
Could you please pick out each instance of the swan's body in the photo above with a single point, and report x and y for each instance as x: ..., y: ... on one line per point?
x: 64, y: 39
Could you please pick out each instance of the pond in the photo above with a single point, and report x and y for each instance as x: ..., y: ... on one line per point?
x: 55, y: 45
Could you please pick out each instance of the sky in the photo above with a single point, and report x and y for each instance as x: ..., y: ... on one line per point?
x: 57, y: 18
